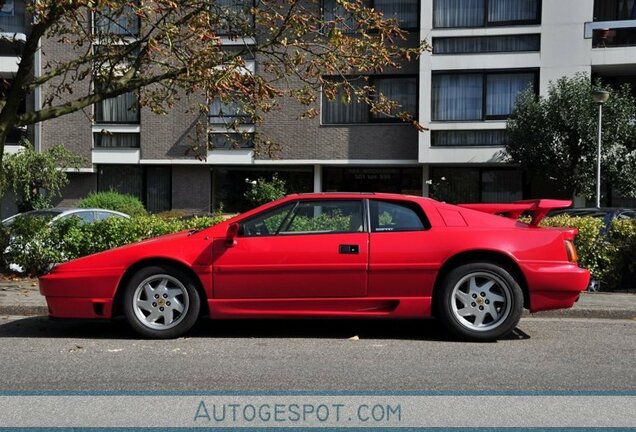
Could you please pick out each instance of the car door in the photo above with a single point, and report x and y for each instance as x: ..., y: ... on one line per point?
x: 403, y: 252
x: 303, y: 249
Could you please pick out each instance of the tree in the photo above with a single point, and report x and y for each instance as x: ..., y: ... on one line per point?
x: 556, y: 137
x: 37, y: 177
x: 177, y: 49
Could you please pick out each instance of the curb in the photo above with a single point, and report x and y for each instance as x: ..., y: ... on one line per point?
x: 23, y: 310
x: 618, y: 314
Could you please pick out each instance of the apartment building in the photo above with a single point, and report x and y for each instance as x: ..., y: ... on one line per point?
x: 484, y: 53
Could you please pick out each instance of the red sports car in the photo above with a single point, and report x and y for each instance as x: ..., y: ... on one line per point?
x: 334, y: 255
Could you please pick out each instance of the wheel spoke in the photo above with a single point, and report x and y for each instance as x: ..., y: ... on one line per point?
x: 496, y: 297
x: 145, y: 305
x: 463, y: 297
x: 154, y: 316
x: 163, y: 285
x: 173, y: 293
x: 177, y: 305
x: 479, y: 318
x: 472, y: 284
x: 465, y: 312
x: 149, y: 290
x: 487, y: 286
x: 168, y: 316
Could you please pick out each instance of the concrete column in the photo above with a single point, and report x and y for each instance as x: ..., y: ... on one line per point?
x: 425, y: 178
x: 317, y: 178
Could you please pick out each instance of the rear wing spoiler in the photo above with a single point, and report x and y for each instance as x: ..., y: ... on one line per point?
x: 539, y: 208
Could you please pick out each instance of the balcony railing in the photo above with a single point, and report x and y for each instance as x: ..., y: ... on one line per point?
x: 608, y: 34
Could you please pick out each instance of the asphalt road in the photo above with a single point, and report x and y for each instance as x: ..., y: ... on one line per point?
x: 544, y: 354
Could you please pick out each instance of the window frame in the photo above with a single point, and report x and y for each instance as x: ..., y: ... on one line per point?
x: 128, y: 36
x: 371, y: 119
x: 230, y: 33
x: 537, y: 35
x: 296, y: 204
x: 484, y: 90
x: 480, y: 173
x: 514, y: 23
x: 97, y: 109
x: 97, y: 139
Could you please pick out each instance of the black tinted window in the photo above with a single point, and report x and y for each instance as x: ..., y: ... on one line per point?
x: 390, y: 216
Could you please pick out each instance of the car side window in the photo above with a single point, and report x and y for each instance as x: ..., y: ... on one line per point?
x: 389, y: 216
x: 85, y: 216
x: 328, y: 216
x: 267, y: 223
x: 100, y: 215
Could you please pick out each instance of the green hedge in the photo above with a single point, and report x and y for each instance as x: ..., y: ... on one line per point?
x: 36, y: 244
x: 114, y: 201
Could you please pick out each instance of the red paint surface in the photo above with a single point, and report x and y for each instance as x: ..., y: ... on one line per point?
x: 393, y: 275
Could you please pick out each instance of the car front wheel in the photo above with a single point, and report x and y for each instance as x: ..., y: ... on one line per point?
x: 161, y: 302
x: 480, y: 302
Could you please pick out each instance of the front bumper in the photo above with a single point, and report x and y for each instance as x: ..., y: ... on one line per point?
x: 81, y: 294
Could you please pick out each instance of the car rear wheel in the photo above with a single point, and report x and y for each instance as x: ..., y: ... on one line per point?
x: 480, y: 302
x: 161, y: 302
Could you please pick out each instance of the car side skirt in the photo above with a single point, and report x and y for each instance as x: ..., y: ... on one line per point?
x: 408, y: 307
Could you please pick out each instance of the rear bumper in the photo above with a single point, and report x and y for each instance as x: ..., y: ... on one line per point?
x: 554, y: 285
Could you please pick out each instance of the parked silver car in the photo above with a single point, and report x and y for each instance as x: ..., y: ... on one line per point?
x: 87, y: 215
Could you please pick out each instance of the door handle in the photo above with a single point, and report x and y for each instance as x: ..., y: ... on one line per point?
x: 349, y: 249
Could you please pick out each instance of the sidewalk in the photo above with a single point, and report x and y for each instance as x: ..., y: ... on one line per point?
x: 22, y: 297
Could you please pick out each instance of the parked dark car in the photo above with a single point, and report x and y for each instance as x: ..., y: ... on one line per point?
x: 608, y: 214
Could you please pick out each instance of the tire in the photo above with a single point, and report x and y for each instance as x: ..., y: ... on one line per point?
x: 161, y: 302
x: 480, y: 302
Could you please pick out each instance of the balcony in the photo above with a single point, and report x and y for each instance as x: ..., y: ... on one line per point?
x: 610, y: 34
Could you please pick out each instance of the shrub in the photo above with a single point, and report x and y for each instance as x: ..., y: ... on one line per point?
x: 114, y: 201
x: 35, y: 244
x: 622, y: 234
x: 262, y: 191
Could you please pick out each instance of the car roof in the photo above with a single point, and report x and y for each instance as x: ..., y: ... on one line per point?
x: 379, y: 195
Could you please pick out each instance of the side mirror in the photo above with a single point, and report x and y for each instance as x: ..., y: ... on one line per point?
x: 231, y: 234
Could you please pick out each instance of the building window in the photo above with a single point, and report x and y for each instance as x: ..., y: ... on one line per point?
x: 405, y: 11
x: 468, y: 138
x: 487, y: 44
x: 229, y: 184
x: 233, y: 17
x: 123, y: 109
x: 227, y: 141
x: 152, y: 185
x: 371, y: 179
x: 122, y: 21
x: 402, y: 89
x: 228, y: 113
x: 483, y: 13
x: 478, y: 96
x: 614, y: 10
x: 107, y: 139
x: 470, y: 185
x: 13, y: 17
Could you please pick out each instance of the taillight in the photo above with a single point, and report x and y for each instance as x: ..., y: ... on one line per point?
x: 571, y: 251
